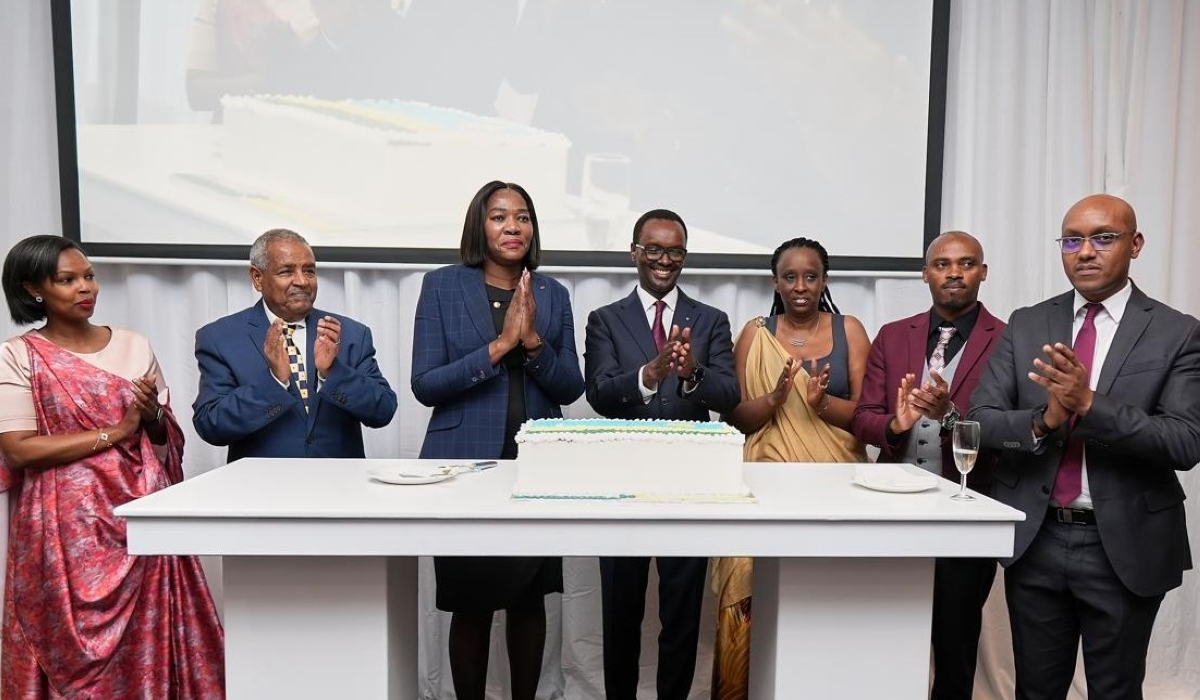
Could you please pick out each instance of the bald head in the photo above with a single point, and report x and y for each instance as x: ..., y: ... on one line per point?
x: 1096, y: 270
x: 954, y: 269
x: 1112, y: 208
x: 960, y: 236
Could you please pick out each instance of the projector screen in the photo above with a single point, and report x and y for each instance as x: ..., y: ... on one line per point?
x: 187, y: 128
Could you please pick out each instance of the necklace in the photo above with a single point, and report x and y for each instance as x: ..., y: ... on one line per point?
x: 801, y: 342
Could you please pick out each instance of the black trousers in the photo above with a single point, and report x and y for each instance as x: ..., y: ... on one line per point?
x: 623, y: 594
x: 960, y: 589
x: 1063, y: 590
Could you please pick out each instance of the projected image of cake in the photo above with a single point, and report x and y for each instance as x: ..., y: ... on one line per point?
x: 386, y: 161
x: 651, y: 459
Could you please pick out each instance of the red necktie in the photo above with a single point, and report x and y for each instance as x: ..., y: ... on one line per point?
x: 1068, y: 483
x: 660, y: 336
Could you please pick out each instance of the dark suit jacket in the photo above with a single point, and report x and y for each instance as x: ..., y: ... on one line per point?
x: 899, y: 349
x: 241, y: 405
x: 619, y: 342
x: 1144, y: 425
x: 451, y: 370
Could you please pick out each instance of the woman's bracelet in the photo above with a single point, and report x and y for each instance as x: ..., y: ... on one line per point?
x: 824, y: 405
x: 101, y: 438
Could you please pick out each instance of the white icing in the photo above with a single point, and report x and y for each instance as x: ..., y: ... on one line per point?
x: 629, y: 460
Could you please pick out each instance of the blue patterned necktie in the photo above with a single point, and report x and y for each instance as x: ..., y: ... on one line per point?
x: 299, y: 374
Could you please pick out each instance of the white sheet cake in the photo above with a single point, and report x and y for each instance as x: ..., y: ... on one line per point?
x: 650, y: 459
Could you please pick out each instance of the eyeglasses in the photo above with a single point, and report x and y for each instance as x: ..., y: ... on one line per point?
x: 654, y: 252
x: 1099, y: 241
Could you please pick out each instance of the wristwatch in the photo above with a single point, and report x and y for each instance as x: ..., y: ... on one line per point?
x: 697, y: 376
x: 1039, y: 420
x: 952, y: 416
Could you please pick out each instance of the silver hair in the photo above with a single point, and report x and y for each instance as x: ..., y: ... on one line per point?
x: 258, y: 250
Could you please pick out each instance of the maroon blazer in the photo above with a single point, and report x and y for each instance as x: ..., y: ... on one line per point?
x: 899, y: 349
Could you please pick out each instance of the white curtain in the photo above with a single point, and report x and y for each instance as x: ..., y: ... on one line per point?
x: 1048, y: 101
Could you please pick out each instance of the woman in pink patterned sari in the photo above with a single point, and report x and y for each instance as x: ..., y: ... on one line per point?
x: 85, y: 427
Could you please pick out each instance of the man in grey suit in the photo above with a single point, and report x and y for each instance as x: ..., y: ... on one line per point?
x: 640, y: 364
x: 1091, y: 458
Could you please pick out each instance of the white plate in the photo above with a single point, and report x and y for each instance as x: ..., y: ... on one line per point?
x: 893, y: 478
x: 398, y: 476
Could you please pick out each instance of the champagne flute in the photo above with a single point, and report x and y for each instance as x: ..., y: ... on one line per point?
x: 966, y: 450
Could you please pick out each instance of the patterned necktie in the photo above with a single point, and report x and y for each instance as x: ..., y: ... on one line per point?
x: 937, y: 361
x: 1068, y: 483
x: 660, y: 335
x: 299, y: 374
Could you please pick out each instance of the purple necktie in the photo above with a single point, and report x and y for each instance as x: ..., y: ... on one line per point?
x: 660, y: 336
x: 1068, y: 484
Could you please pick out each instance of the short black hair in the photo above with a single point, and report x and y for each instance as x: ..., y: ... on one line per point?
x: 825, y: 303
x: 653, y: 214
x: 31, y: 261
x: 472, y: 249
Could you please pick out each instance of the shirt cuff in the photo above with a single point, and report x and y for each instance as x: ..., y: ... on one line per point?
x: 647, y: 393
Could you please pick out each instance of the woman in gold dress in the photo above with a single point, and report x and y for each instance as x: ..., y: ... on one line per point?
x: 800, y: 371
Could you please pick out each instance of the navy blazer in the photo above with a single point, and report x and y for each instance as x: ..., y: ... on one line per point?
x: 240, y: 404
x: 619, y: 342
x: 453, y: 373
x: 899, y: 349
x: 1143, y: 426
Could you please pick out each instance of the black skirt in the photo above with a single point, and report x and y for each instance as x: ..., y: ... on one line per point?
x: 487, y: 584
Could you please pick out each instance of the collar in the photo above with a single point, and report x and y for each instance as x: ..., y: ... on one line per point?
x: 647, y: 299
x: 963, y: 324
x: 271, y: 317
x: 1114, y: 305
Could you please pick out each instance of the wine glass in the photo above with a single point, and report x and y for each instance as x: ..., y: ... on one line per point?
x: 966, y: 450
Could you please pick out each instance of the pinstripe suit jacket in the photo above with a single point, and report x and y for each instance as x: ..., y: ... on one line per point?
x: 451, y: 370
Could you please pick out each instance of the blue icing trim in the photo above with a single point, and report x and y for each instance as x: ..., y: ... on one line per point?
x: 547, y: 425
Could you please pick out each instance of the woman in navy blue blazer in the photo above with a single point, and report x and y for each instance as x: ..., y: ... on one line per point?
x: 493, y: 346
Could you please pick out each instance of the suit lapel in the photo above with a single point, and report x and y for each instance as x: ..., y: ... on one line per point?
x: 256, y: 329
x: 977, y: 347
x: 1133, y: 325
x: 633, y: 317
x: 1058, y: 323
x: 915, y: 347
x: 310, y: 367
x: 475, y: 299
x: 544, y: 303
x: 686, y: 313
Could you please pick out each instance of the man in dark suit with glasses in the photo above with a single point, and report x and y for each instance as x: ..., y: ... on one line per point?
x: 659, y: 354
x: 1091, y: 399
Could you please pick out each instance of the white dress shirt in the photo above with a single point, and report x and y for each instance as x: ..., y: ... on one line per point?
x: 1106, y: 328
x: 300, y: 337
x: 671, y: 298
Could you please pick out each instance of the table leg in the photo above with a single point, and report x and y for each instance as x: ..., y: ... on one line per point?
x: 321, y: 627
x: 841, y: 628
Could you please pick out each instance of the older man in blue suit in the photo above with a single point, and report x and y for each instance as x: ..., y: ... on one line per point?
x: 657, y: 353
x: 281, y: 378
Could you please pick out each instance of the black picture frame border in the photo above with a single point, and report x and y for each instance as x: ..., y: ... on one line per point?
x: 68, y: 174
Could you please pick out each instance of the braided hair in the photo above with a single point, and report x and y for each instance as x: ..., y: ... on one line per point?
x: 825, y: 303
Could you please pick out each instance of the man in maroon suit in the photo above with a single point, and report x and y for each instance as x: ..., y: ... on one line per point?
x: 920, y: 375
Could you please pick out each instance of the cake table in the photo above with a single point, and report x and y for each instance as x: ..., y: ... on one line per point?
x: 320, y: 566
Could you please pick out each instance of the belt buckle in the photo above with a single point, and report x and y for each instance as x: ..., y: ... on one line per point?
x: 1065, y: 515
